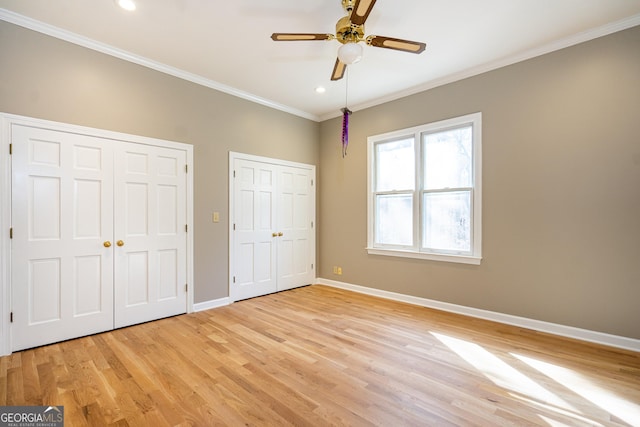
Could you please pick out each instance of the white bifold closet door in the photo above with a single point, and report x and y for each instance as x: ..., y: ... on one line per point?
x: 150, y: 217
x: 98, y: 235
x: 273, y: 235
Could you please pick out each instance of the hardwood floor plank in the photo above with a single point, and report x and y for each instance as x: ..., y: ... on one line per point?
x: 31, y: 380
x: 74, y: 414
x: 317, y: 356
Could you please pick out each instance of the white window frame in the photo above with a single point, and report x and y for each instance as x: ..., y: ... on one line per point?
x: 475, y: 255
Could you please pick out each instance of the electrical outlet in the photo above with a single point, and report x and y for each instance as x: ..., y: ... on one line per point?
x: 339, y: 271
x: 335, y: 269
x: 216, y: 217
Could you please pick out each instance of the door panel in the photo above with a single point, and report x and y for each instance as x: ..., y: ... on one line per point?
x: 254, y: 244
x: 88, y: 285
x: 294, y: 222
x: 150, y: 220
x: 61, y: 275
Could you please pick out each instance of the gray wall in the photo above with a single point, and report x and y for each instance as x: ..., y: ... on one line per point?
x: 561, y: 170
x: 561, y: 187
x: 47, y: 78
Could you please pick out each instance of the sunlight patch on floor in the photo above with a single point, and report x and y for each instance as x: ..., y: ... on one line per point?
x: 621, y: 408
x: 559, y: 411
x: 501, y: 373
x: 554, y: 423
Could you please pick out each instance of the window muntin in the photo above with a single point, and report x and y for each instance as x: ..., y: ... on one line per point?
x: 424, y: 198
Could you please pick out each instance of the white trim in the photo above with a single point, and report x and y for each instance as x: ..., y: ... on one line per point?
x: 191, y: 285
x: 572, y: 40
x: 415, y: 251
x: 6, y: 121
x: 536, y: 325
x: 269, y: 160
x: 5, y: 243
x: 208, y: 305
x: 460, y: 259
x: 79, y: 40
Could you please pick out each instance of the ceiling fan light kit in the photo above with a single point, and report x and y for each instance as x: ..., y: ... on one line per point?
x: 350, y: 53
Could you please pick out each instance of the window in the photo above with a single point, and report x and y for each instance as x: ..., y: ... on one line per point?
x: 425, y: 191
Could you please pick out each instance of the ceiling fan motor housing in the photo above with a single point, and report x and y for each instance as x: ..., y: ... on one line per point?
x: 347, y: 32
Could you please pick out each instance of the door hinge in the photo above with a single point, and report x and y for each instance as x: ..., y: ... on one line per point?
x: 186, y: 168
x: 234, y: 173
x: 10, y: 149
x: 234, y: 227
x: 11, y: 317
x: 234, y: 279
x: 311, y: 224
x: 186, y: 228
x: 186, y: 287
x: 312, y: 266
x: 11, y: 233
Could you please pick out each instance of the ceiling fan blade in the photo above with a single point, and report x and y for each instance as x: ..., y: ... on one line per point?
x: 361, y: 11
x: 281, y: 37
x: 397, y: 44
x: 338, y: 70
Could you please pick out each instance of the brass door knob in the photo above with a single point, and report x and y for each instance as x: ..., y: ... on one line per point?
x: 120, y: 243
x: 280, y: 234
x: 107, y: 244
x: 274, y: 234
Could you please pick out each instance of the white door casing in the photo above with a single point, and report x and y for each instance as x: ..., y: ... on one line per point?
x: 272, y: 233
x: 67, y: 205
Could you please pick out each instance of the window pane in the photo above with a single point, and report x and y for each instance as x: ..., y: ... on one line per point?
x: 447, y: 159
x: 447, y: 221
x: 394, y: 223
x: 395, y: 165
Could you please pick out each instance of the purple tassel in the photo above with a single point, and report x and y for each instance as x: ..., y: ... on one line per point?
x: 345, y: 130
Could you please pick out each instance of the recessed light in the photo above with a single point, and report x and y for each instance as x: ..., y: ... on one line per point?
x: 126, y: 4
x: 320, y: 89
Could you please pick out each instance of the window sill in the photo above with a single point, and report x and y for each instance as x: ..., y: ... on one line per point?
x: 461, y: 259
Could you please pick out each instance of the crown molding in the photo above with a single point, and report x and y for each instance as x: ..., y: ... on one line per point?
x: 79, y: 40
x: 572, y: 40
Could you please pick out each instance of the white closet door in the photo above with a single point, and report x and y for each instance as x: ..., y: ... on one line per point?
x: 62, y: 276
x: 295, y: 229
x: 272, y: 235
x: 150, y: 236
x: 254, y: 231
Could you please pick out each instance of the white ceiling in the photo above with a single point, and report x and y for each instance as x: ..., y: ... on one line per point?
x: 226, y: 44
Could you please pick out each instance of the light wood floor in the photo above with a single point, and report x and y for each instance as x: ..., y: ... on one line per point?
x: 321, y: 356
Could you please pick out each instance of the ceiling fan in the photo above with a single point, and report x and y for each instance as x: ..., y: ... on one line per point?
x: 349, y: 32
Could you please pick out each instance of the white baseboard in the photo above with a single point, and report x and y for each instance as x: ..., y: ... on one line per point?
x: 214, y: 303
x: 537, y: 325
